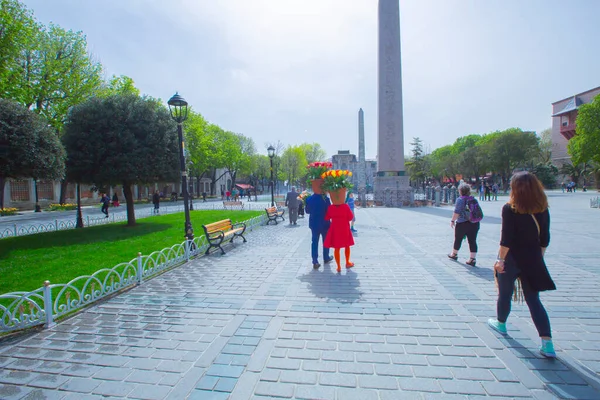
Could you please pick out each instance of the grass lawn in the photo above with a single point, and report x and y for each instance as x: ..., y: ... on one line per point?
x: 27, y: 261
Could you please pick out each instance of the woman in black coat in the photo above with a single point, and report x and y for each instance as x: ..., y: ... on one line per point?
x: 525, y: 236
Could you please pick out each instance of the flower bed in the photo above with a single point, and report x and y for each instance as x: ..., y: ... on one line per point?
x: 8, y: 211
x: 62, y: 207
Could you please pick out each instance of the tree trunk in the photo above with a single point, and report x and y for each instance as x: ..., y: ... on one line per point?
x: 129, y: 199
x: 2, y: 184
x: 63, y: 192
x: 213, y: 184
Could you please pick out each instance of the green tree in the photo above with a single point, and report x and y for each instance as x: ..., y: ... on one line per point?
x: 546, y: 173
x: 121, y: 139
x: 313, y: 152
x: 18, y: 29
x: 29, y: 148
x: 54, y: 72
x: 261, y: 169
x: 545, y: 147
x: 118, y: 85
x: 202, y: 143
x: 293, y: 164
x: 585, y: 145
x: 511, y: 149
x: 236, y: 153
x: 417, y: 163
x: 444, y: 162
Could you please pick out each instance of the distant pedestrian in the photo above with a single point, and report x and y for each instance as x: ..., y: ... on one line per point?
x: 204, y: 197
x: 291, y: 202
x: 115, y: 200
x: 156, y: 202
x: 105, y: 200
x: 488, y: 192
x: 525, y: 237
x: 495, y: 190
x: 350, y: 202
x: 222, y: 194
x: 482, y: 191
x: 465, y: 221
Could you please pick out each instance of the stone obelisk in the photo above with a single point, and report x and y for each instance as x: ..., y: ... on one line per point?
x: 362, y: 178
x: 391, y: 184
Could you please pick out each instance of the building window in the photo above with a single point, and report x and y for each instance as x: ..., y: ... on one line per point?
x: 19, y: 190
x: 564, y: 120
x: 71, y: 187
x: 45, y: 190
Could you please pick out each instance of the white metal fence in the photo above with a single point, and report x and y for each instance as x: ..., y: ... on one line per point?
x: 20, y: 310
x: 595, y: 202
x: 58, y: 225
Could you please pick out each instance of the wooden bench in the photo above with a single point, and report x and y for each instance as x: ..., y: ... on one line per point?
x: 238, y: 205
x: 280, y: 204
x: 273, y: 213
x: 217, y: 232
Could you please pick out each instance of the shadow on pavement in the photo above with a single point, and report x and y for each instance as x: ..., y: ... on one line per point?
x: 326, y: 283
x: 560, y: 377
x: 446, y: 212
x: 483, y: 273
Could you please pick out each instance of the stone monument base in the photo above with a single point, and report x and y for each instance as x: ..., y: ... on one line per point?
x: 393, y: 191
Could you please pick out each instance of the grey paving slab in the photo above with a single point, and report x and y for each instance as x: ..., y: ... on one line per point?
x: 260, y: 323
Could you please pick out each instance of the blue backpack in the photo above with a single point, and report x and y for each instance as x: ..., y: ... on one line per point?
x: 473, y: 211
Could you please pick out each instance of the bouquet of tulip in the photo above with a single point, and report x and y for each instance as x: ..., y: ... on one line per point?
x: 303, y: 196
x: 316, y: 169
x: 336, y: 179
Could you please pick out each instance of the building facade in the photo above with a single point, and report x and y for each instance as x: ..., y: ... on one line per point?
x: 344, y: 160
x: 20, y: 193
x: 564, y: 114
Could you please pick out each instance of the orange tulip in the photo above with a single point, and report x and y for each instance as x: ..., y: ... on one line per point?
x: 350, y: 173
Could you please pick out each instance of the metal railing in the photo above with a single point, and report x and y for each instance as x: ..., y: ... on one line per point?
x: 20, y: 310
x: 595, y: 202
x: 58, y: 225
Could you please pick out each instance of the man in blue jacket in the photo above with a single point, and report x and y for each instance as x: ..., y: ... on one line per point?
x: 316, y: 206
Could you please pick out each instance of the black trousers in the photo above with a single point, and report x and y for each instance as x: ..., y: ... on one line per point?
x: 469, y: 230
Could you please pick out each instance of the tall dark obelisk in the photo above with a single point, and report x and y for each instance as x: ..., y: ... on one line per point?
x: 391, y: 184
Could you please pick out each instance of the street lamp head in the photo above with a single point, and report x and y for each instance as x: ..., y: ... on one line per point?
x: 271, y: 151
x: 178, y: 108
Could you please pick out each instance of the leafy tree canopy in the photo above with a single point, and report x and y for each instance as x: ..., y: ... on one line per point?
x: 313, y: 152
x: 121, y: 139
x: 29, y: 148
x: 585, y: 146
x: 118, y: 85
x: 53, y: 72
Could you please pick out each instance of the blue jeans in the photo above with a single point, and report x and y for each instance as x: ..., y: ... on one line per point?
x: 506, y: 283
x: 317, y: 235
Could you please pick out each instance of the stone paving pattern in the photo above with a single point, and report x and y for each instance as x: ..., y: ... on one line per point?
x: 259, y: 322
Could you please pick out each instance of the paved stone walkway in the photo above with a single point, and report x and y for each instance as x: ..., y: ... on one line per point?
x: 259, y: 322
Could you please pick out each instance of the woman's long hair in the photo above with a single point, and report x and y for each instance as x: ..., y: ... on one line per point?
x: 527, y: 194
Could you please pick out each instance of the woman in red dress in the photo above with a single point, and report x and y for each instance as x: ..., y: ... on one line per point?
x: 339, y: 234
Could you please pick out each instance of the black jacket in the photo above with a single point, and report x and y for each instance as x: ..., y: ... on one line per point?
x: 520, y: 235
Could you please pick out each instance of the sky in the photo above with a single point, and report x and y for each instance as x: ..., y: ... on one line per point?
x: 298, y: 71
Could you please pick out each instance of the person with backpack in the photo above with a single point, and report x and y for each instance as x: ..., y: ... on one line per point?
x: 465, y: 221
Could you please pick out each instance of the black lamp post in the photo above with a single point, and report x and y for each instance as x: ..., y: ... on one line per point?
x: 271, y: 151
x: 179, y: 112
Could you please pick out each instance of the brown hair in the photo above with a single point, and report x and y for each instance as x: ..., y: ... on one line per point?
x: 527, y: 194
